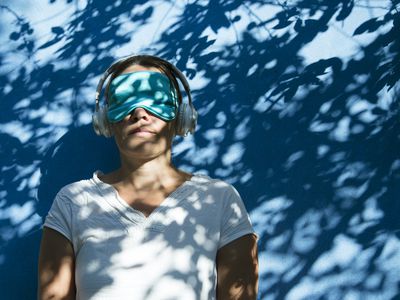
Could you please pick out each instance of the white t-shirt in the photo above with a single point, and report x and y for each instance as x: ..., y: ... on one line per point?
x: 171, y: 254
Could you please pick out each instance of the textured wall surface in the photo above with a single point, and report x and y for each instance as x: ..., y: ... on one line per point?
x: 298, y: 108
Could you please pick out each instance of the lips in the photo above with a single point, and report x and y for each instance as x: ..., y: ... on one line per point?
x: 138, y: 130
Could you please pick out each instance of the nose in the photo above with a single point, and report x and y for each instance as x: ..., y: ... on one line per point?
x: 139, y: 114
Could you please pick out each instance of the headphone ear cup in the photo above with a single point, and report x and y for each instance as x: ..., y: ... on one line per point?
x: 100, y: 122
x: 186, y: 119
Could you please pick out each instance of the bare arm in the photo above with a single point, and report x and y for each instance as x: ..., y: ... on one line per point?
x: 237, y: 269
x: 56, y: 267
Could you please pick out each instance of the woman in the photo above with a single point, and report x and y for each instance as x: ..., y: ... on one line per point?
x: 147, y: 230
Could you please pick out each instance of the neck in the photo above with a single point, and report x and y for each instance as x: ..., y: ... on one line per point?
x: 147, y: 174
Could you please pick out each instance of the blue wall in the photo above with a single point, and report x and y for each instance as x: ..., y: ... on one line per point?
x: 299, y: 109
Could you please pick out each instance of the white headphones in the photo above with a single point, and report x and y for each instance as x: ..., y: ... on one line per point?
x: 186, y: 113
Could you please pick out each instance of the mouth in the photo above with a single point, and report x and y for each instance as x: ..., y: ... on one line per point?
x: 140, y: 131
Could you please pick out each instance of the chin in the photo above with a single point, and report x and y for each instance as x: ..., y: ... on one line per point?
x: 143, y: 149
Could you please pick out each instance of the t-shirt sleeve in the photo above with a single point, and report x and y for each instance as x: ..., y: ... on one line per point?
x: 235, y: 221
x: 59, y: 216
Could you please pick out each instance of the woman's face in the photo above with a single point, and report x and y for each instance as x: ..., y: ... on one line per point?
x: 142, y: 134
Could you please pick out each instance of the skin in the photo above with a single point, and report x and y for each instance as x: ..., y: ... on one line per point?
x: 145, y: 178
x: 237, y: 269
x: 56, y: 267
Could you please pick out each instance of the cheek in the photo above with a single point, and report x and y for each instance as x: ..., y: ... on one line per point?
x: 169, y: 128
x: 115, y: 128
x: 172, y: 126
x: 159, y: 125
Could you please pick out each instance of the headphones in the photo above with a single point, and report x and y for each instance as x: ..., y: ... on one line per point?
x: 186, y: 118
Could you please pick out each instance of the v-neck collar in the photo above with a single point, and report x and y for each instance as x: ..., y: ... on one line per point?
x: 113, y: 198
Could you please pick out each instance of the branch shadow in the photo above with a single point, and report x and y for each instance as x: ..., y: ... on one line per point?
x: 308, y: 145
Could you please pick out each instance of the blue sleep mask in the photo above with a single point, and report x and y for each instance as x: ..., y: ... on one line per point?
x: 150, y: 90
